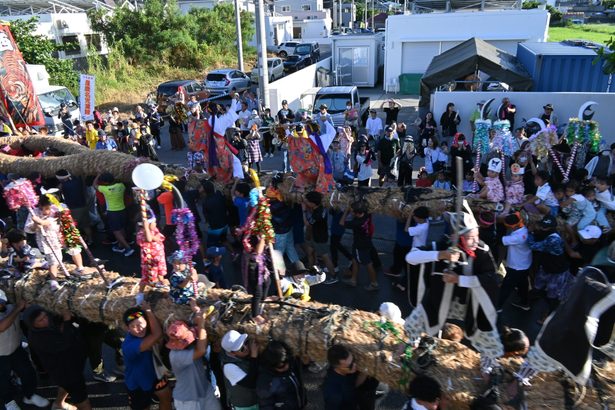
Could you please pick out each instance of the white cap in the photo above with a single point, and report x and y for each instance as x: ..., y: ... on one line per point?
x: 233, y: 340
x: 254, y: 112
x: 495, y: 165
x: 3, y: 299
x: 391, y: 312
x: 590, y: 232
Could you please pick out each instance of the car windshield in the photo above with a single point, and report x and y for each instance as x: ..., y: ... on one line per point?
x: 167, y: 89
x: 335, y: 102
x: 216, y: 77
x: 303, y: 49
x: 51, y: 100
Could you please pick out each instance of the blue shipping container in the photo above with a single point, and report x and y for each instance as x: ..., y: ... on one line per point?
x: 563, y: 67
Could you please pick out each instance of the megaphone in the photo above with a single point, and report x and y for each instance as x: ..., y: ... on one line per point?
x: 147, y: 176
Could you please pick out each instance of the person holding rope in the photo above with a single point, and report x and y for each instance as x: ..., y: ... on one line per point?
x: 465, y: 290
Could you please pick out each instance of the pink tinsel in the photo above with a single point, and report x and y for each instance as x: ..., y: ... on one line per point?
x: 189, y: 244
x: 20, y: 193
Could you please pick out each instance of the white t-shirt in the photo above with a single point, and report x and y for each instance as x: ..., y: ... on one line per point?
x: 373, y: 126
x: 419, y: 234
x: 545, y: 195
x: 244, y: 118
x: 365, y: 170
x: 233, y: 373
x: 519, y: 255
x: 11, y: 337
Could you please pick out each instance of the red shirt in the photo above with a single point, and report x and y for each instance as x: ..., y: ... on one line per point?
x: 423, y: 183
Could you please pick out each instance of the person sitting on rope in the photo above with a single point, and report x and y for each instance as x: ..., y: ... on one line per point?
x: 21, y: 256
x: 465, y: 290
x: 182, y: 279
x: 298, y: 284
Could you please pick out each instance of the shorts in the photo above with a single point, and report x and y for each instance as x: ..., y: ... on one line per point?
x: 321, y: 248
x: 51, y: 260
x: 362, y: 256
x: 81, y: 217
x: 76, y: 389
x: 140, y: 399
x: 74, y: 251
x: 116, y: 220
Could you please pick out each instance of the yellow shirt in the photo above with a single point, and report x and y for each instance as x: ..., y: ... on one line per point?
x: 91, y: 137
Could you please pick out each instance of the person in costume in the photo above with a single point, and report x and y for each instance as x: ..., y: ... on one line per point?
x: 308, y: 156
x: 585, y: 321
x: 297, y: 285
x: 465, y: 290
x: 153, y: 264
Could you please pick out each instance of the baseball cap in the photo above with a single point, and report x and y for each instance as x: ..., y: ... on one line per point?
x: 232, y: 341
x: 215, y: 251
x: 389, y: 129
x: 391, y: 312
x: 284, y: 102
x: 590, y: 232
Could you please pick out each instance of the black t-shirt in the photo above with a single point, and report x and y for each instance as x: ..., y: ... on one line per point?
x: 215, y: 210
x: 319, y: 221
x: 362, y: 231
x: 391, y: 114
x: 339, y: 392
x: 388, y: 148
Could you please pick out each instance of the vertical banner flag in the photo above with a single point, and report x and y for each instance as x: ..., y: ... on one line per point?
x: 86, y: 97
x: 17, y: 93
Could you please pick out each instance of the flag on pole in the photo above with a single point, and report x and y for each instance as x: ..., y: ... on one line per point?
x: 86, y: 96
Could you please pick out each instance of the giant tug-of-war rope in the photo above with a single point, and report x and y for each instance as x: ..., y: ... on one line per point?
x: 308, y: 327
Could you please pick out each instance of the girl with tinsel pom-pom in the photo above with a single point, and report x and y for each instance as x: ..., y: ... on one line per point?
x: 153, y: 263
x: 41, y: 221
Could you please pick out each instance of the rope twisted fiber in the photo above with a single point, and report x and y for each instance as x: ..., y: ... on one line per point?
x: 375, y: 352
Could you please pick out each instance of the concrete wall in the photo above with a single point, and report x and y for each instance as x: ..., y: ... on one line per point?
x: 498, y: 27
x: 529, y: 104
x: 292, y: 86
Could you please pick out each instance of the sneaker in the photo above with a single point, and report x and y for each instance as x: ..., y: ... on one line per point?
x: 54, y: 285
x: 371, y: 287
x: 129, y: 252
x: 103, y: 377
x: 12, y: 405
x: 521, y: 305
x: 118, y: 249
x: 331, y: 280
x: 315, y: 279
x: 36, y: 400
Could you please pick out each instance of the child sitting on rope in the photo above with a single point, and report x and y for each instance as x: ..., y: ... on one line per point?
x: 492, y: 190
x: 21, y: 256
x: 298, y: 285
x: 183, y: 279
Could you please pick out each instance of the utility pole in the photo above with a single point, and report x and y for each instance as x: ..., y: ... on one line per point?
x: 341, y: 16
x: 353, y: 15
x: 334, y: 16
x: 365, y: 15
x: 239, y: 40
x: 372, y: 26
x: 262, y: 40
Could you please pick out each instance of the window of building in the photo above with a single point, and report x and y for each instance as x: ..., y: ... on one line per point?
x: 93, y: 41
x: 305, y: 7
x: 71, y: 45
x: 285, y: 9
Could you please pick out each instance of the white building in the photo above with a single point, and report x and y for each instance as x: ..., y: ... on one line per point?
x: 279, y: 29
x: 66, y: 23
x: 302, y: 12
x: 412, y: 40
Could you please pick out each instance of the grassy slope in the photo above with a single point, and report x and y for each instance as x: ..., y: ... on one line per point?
x: 599, y: 33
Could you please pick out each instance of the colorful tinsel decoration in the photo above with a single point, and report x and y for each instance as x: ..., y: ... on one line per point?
x: 503, y: 140
x: 20, y: 193
x: 480, y: 142
x: 71, y: 237
x: 587, y: 134
x: 185, y: 233
x: 541, y: 142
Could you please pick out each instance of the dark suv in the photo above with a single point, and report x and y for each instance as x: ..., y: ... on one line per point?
x: 312, y: 50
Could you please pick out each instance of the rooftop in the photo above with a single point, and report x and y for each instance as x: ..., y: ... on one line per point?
x: 33, y: 7
x: 431, y: 6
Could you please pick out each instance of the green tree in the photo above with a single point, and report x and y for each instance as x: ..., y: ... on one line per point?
x: 556, y: 15
x: 37, y: 49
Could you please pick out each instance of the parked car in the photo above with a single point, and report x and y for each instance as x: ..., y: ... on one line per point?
x: 287, y: 48
x: 168, y: 89
x: 275, y: 69
x: 335, y: 98
x: 295, y: 63
x: 312, y: 50
x: 224, y: 80
x: 341, y: 31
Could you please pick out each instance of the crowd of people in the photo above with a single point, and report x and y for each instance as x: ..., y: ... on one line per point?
x: 539, y: 227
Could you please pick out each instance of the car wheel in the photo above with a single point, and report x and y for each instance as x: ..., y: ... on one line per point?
x: 282, y: 54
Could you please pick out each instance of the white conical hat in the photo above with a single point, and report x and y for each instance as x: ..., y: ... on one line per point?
x: 467, y: 221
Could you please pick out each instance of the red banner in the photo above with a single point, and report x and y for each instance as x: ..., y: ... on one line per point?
x: 17, y: 91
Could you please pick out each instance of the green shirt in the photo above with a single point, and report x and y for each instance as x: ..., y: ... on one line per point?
x: 114, y: 196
